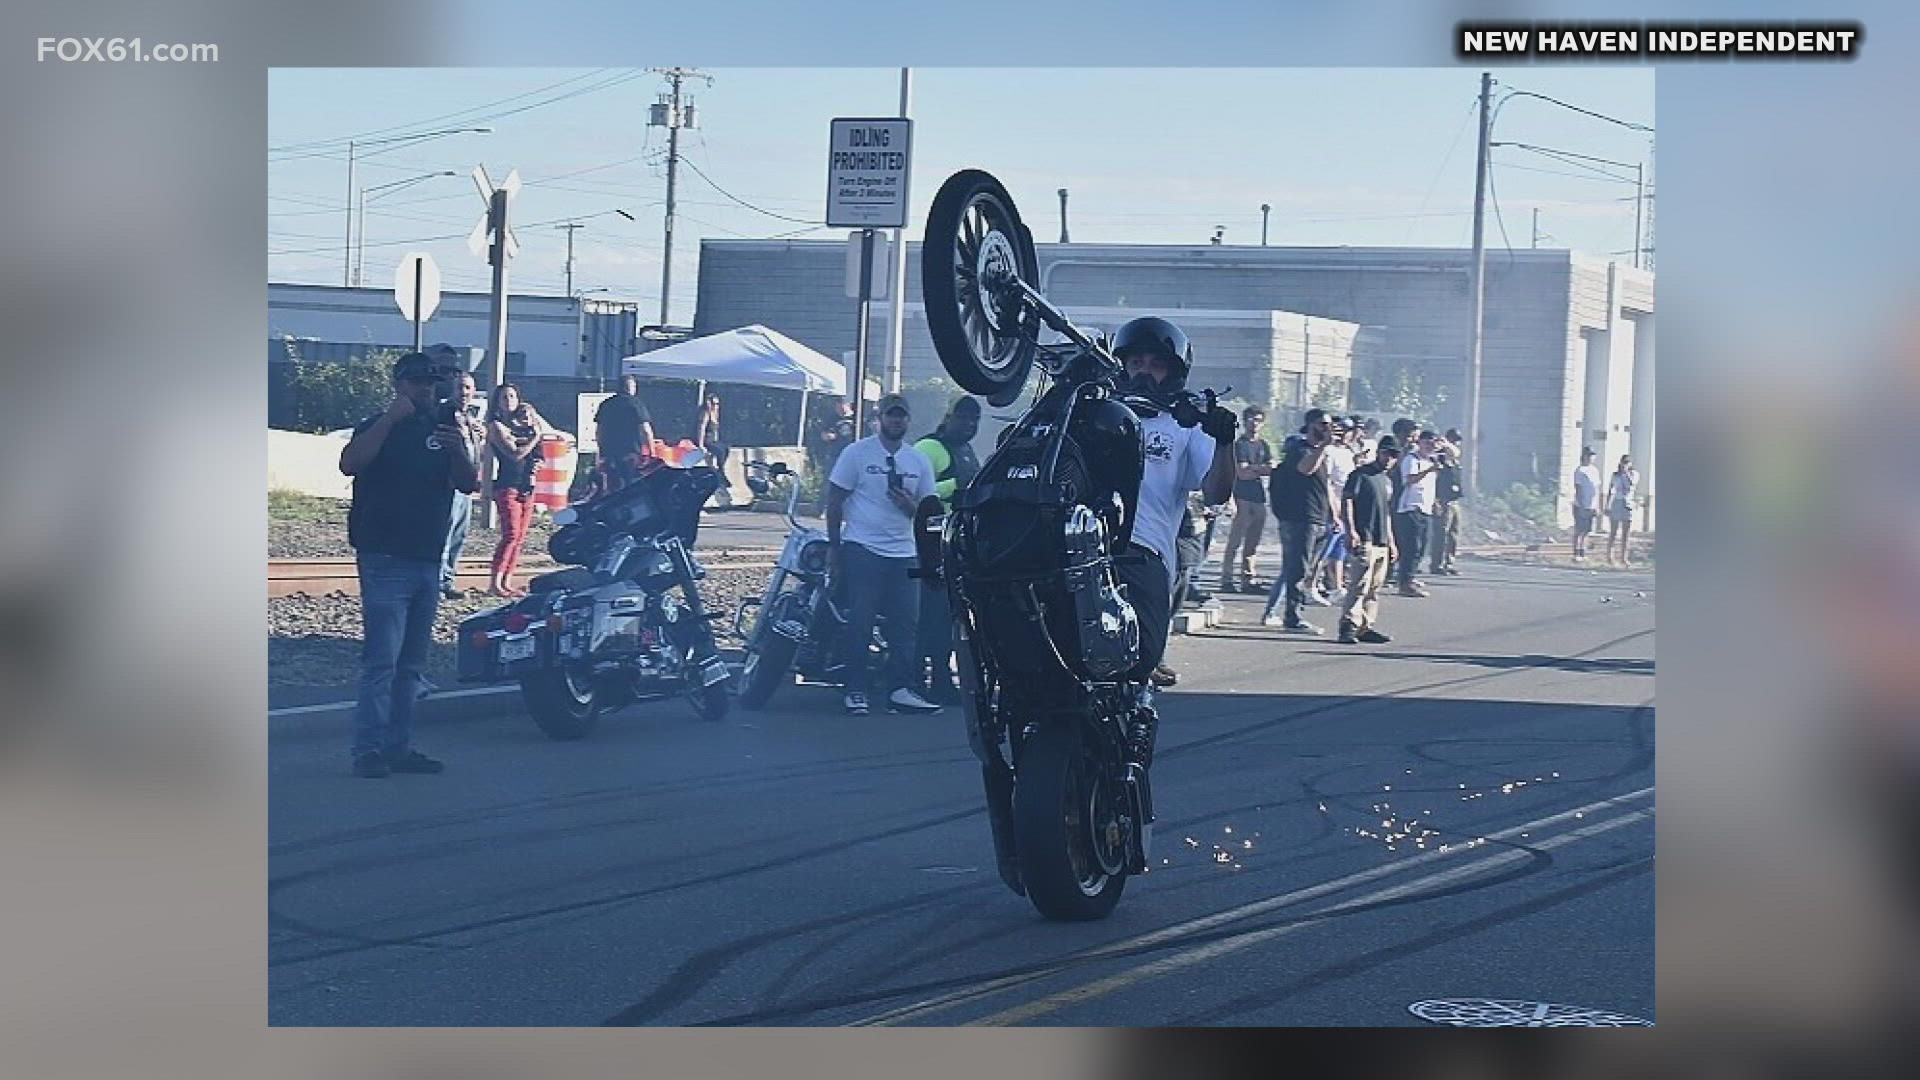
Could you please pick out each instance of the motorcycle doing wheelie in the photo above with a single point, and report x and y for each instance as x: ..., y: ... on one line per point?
x: 801, y: 625
x: 1046, y: 636
x: 623, y: 622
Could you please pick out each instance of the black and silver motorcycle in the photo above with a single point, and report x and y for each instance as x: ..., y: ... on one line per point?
x: 1044, y: 634
x: 799, y: 623
x: 622, y: 623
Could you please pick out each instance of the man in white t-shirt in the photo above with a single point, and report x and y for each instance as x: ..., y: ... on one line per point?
x: 1178, y: 460
x: 1342, y: 459
x: 1416, y: 504
x: 875, y: 488
x: 1586, y: 502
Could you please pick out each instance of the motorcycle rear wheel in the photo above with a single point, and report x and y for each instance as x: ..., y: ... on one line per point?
x: 1056, y: 799
x: 564, y: 702
x: 974, y: 232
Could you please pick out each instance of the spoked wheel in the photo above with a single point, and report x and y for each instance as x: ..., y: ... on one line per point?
x: 1072, y: 848
x: 975, y: 246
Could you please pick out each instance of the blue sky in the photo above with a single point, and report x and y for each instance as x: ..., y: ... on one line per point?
x: 1344, y: 156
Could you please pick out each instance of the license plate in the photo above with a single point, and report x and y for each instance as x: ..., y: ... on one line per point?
x: 521, y: 649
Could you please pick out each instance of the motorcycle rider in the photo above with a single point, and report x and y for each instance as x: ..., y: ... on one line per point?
x: 950, y: 449
x: 1158, y: 358
x: 872, y: 495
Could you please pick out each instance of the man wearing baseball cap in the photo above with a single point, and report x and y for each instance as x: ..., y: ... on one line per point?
x: 875, y: 488
x: 950, y: 448
x: 407, y: 465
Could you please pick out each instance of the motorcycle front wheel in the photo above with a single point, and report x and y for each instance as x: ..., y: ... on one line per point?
x: 563, y: 701
x: 975, y: 244
x: 1072, y: 860
x: 769, y: 666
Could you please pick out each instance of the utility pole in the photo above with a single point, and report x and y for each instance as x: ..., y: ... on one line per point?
x: 897, y: 304
x: 1639, y: 201
x: 1649, y: 203
x: 1470, y: 465
x: 1265, y: 209
x: 346, y: 268
x: 671, y: 114
x: 570, y: 227
x: 1536, y: 228
x: 1063, y: 215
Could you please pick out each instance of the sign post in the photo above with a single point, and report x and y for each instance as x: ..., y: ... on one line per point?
x: 416, y: 288
x: 868, y: 167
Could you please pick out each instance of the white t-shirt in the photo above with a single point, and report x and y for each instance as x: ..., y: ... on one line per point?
x: 1340, y: 465
x: 1586, y: 487
x: 870, y: 517
x: 1416, y: 494
x: 1177, y: 460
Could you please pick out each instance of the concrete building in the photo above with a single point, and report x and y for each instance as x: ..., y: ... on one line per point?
x: 1567, y: 359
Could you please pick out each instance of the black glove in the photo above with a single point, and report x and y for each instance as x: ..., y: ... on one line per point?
x: 1221, y: 424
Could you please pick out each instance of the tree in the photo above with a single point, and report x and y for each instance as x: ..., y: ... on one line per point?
x: 326, y: 396
x: 1401, y: 394
x: 1329, y: 393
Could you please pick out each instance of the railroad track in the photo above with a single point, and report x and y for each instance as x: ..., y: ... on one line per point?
x: 322, y: 577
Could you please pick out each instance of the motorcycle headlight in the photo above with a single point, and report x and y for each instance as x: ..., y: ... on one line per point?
x: 814, y: 557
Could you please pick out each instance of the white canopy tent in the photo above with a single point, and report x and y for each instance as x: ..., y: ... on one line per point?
x: 756, y: 355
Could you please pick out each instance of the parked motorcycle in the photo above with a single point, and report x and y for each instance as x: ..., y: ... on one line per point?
x: 800, y: 620
x: 622, y: 623
x: 1045, y: 636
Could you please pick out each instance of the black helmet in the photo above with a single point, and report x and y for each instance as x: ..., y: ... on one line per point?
x: 1151, y: 334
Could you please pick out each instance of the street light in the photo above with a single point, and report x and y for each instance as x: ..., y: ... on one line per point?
x: 360, y: 229
x: 391, y: 142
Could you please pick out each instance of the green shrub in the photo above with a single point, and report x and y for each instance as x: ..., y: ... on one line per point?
x: 326, y: 396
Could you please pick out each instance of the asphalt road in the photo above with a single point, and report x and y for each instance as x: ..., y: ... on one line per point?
x: 1464, y: 813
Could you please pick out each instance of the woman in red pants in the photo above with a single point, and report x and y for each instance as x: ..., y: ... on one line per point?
x: 514, y: 430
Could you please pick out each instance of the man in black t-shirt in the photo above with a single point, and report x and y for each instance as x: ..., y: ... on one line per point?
x: 406, y: 466
x: 1298, y: 491
x: 1366, y: 511
x: 1443, y: 543
x: 623, y: 430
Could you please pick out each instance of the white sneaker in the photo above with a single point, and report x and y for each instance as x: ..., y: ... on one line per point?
x: 905, y: 700
x: 1304, y: 627
x: 1275, y: 620
x: 856, y: 703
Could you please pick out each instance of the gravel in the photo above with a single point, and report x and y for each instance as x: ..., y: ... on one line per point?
x: 314, y: 641
x: 292, y: 539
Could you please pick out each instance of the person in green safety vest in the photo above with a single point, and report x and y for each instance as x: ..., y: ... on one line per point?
x: 950, y: 449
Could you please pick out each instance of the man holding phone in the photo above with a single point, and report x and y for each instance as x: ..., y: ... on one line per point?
x: 875, y: 489
x: 1298, y: 489
x: 408, y: 464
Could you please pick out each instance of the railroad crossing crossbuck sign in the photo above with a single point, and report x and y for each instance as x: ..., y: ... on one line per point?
x: 484, y: 233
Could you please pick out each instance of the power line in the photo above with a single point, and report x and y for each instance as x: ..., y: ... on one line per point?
x: 1494, y: 194
x: 1445, y: 160
x: 568, y: 96
x: 783, y: 217
x: 1629, y: 124
x: 344, y: 139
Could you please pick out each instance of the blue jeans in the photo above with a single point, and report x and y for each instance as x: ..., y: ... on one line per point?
x: 398, y: 600
x: 881, y: 587
x: 1299, y: 542
x: 456, y: 536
